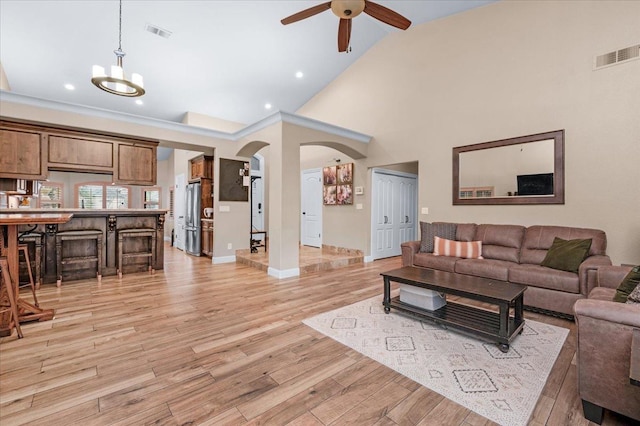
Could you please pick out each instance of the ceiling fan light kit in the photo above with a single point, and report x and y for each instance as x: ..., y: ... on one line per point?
x: 346, y: 10
x: 116, y: 83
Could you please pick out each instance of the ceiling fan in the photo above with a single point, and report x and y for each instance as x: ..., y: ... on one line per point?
x: 346, y: 10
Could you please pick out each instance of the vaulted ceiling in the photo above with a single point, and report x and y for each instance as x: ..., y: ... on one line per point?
x: 225, y: 59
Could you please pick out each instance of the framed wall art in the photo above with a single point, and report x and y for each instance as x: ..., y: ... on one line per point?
x: 337, y: 184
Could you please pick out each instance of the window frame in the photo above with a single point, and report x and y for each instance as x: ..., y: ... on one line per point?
x: 152, y: 203
x: 58, y: 185
x: 105, y: 185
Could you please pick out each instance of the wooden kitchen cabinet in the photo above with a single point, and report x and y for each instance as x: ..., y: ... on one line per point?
x: 207, y: 237
x: 80, y: 153
x: 201, y: 167
x: 22, y: 153
x: 136, y: 164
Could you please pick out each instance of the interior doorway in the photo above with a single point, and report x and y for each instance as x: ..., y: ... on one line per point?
x: 179, y: 203
x: 311, y: 208
x: 257, y: 195
x: 393, y: 211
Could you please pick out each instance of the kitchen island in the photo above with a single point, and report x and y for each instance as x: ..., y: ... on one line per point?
x: 109, y: 223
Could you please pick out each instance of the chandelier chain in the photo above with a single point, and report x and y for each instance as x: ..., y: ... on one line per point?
x: 120, y: 28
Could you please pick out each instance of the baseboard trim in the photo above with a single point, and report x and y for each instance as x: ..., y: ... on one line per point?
x: 368, y: 259
x: 223, y: 259
x: 285, y: 273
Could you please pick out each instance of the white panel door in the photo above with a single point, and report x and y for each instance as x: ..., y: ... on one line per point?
x: 408, y: 206
x: 394, y: 212
x: 311, y: 208
x: 257, y: 206
x: 384, y: 217
x: 179, y: 209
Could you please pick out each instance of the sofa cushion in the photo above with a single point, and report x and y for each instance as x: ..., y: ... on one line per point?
x: 486, y: 268
x: 464, y: 249
x: 540, y: 276
x: 628, y: 284
x: 501, y: 242
x: 466, y: 231
x: 566, y: 255
x: 602, y: 293
x: 441, y: 263
x: 538, y: 239
x: 430, y: 230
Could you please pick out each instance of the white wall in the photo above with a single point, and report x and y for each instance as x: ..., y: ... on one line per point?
x: 504, y: 70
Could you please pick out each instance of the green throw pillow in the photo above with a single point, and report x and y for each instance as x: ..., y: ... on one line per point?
x: 567, y: 255
x: 628, y: 284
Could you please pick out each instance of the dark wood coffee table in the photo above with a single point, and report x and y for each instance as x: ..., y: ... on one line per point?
x: 499, y: 327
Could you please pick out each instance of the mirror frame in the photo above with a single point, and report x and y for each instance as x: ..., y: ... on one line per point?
x: 558, y: 172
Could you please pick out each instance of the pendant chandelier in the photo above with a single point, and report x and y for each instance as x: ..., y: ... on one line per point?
x: 117, y: 84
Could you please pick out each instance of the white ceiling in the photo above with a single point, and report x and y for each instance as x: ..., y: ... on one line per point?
x: 224, y: 59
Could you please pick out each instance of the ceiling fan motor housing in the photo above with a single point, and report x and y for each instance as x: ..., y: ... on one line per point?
x: 347, y: 9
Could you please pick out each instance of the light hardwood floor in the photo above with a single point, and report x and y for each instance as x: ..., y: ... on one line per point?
x: 224, y: 344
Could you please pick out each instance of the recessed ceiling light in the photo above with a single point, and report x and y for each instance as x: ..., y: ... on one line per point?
x: 139, y: 101
x: 69, y: 86
x: 267, y: 106
x: 299, y: 74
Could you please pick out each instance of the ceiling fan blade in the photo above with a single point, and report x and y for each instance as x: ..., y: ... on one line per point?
x: 344, y: 34
x: 386, y: 15
x: 304, y: 14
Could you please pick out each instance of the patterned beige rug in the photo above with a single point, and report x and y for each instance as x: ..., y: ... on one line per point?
x: 503, y: 387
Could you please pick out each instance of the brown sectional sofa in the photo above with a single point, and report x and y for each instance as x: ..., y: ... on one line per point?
x: 514, y: 253
x: 608, y: 333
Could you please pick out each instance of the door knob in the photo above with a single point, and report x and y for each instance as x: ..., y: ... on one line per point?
x: 406, y: 219
x: 386, y: 219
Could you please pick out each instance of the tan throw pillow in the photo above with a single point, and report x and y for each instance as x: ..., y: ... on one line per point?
x: 466, y: 250
x: 567, y: 255
x: 628, y: 284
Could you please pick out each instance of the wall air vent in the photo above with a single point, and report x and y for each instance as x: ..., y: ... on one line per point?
x: 618, y: 56
x: 157, y: 30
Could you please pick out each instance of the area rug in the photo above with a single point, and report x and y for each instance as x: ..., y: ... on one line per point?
x: 503, y: 387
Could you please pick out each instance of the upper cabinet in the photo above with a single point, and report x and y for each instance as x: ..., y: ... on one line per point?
x: 202, y: 167
x: 68, y: 152
x: 22, y: 153
x: 136, y: 164
x: 29, y: 151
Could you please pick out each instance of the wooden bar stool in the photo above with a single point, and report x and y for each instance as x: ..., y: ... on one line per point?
x: 24, y: 249
x: 61, y: 260
x: 150, y: 254
x: 6, y: 286
x: 36, y: 238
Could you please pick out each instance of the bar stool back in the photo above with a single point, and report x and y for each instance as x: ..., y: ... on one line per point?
x: 150, y: 254
x: 62, y: 260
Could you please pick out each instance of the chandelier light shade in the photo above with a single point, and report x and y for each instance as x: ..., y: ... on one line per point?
x: 116, y: 83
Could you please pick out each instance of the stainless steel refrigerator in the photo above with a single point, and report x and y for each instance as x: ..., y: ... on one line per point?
x: 192, y: 222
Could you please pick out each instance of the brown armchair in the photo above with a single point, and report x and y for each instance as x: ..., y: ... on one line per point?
x: 605, y: 344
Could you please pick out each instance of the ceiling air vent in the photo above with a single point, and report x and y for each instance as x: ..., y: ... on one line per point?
x: 618, y: 56
x: 157, y: 30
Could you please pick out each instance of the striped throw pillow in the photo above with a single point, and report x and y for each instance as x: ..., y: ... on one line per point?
x: 464, y: 249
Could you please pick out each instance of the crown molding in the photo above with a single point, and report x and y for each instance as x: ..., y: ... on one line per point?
x: 279, y: 116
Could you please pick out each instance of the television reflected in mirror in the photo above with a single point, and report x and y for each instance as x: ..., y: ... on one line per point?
x: 522, y: 170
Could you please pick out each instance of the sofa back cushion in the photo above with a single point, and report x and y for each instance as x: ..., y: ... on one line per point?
x: 466, y: 231
x: 500, y: 242
x: 539, y: 238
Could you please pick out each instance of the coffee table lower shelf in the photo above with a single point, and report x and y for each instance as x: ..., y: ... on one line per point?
x: 477, y: 322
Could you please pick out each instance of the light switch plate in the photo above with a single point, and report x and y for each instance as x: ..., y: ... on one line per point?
x: 425, y: 210
x: 358, y: 206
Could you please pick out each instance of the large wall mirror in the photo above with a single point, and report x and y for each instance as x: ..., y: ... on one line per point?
x: 522, y: 170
